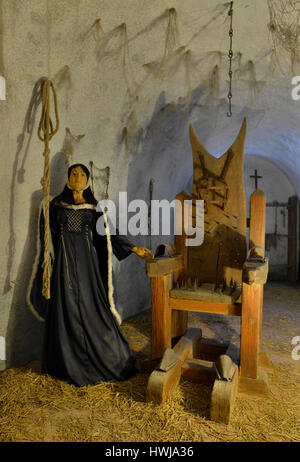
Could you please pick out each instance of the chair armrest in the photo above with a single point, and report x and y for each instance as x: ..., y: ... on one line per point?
x: 255, y: 271
x: 162, y: 266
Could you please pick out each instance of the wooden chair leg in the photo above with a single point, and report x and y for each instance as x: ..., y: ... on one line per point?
x: 250, y: 330
x: 253, y: 380
x: 161, y: 315
x: 179, y: 323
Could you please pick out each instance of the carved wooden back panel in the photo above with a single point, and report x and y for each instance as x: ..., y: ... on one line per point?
x: 220, y: 183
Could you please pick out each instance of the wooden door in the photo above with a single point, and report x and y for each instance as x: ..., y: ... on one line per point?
x: 282, y: 239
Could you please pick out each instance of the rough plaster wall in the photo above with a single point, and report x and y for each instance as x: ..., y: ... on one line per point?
x: 133, y: 98
x: 277, y: 187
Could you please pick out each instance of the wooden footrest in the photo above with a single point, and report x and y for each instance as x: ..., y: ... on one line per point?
x: 161, y: 383
x: 198, y: 370
x: 222, y: 399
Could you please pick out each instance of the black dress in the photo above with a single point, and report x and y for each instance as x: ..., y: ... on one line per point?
x: 83, y: 341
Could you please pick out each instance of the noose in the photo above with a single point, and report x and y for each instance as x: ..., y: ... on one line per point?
x: 45, y: 134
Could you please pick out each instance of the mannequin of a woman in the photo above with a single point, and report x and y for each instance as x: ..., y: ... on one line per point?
x: 83, y: 342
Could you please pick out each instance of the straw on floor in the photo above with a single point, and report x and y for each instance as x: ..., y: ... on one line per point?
x: 36, y: 407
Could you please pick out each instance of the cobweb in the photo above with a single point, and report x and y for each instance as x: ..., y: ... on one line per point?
x: 284, y: 26
x: 100, y: 181
x: 68, y: 147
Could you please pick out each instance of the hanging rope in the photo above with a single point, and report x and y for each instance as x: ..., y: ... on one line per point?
x: 45, y: 134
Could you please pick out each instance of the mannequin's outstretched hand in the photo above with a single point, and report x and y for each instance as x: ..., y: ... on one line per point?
x: 142, y: 252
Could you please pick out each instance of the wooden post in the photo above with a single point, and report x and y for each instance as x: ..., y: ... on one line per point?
x: 161, y: 315
x: 257, y: 219
x: 257, y: 235
x: 250, y: 330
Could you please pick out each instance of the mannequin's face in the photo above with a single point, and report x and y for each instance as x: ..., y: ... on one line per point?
x: 77, y: 179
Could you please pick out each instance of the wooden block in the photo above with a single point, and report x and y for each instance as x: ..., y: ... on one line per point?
x: 163, y: 265
x: 222, y: 399
x: 186, y: 346
x: 255, y: 272
x: 168, y: 360
x: 205, y: 307
x: 161, y: 315
x: 225, y: 368
x: 224, y: 392
x: 161, y: 383
x: 254, y: 387
x: 199, y: 371
x: 250, y: 330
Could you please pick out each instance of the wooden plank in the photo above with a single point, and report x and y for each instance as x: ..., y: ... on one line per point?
x: 222, y: 399
x: 161, y: 315
x: 199, y: 371
x: 206, y: 292
x: 250, y: 330
x: 205, y: 307
x: 161, y: 384
x: 161, y: 266
x: 186, y: 346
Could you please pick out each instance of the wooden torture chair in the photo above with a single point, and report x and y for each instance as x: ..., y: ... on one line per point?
x: 219, y: 277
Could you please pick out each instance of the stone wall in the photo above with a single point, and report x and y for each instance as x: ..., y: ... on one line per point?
x: 130, y: 76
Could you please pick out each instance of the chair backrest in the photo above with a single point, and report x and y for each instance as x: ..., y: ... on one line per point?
x: 220, y: 182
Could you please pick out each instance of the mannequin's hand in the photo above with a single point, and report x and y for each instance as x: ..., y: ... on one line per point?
x: 142, y: 252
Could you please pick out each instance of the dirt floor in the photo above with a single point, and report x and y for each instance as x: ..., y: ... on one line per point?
x: 39, y: 408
